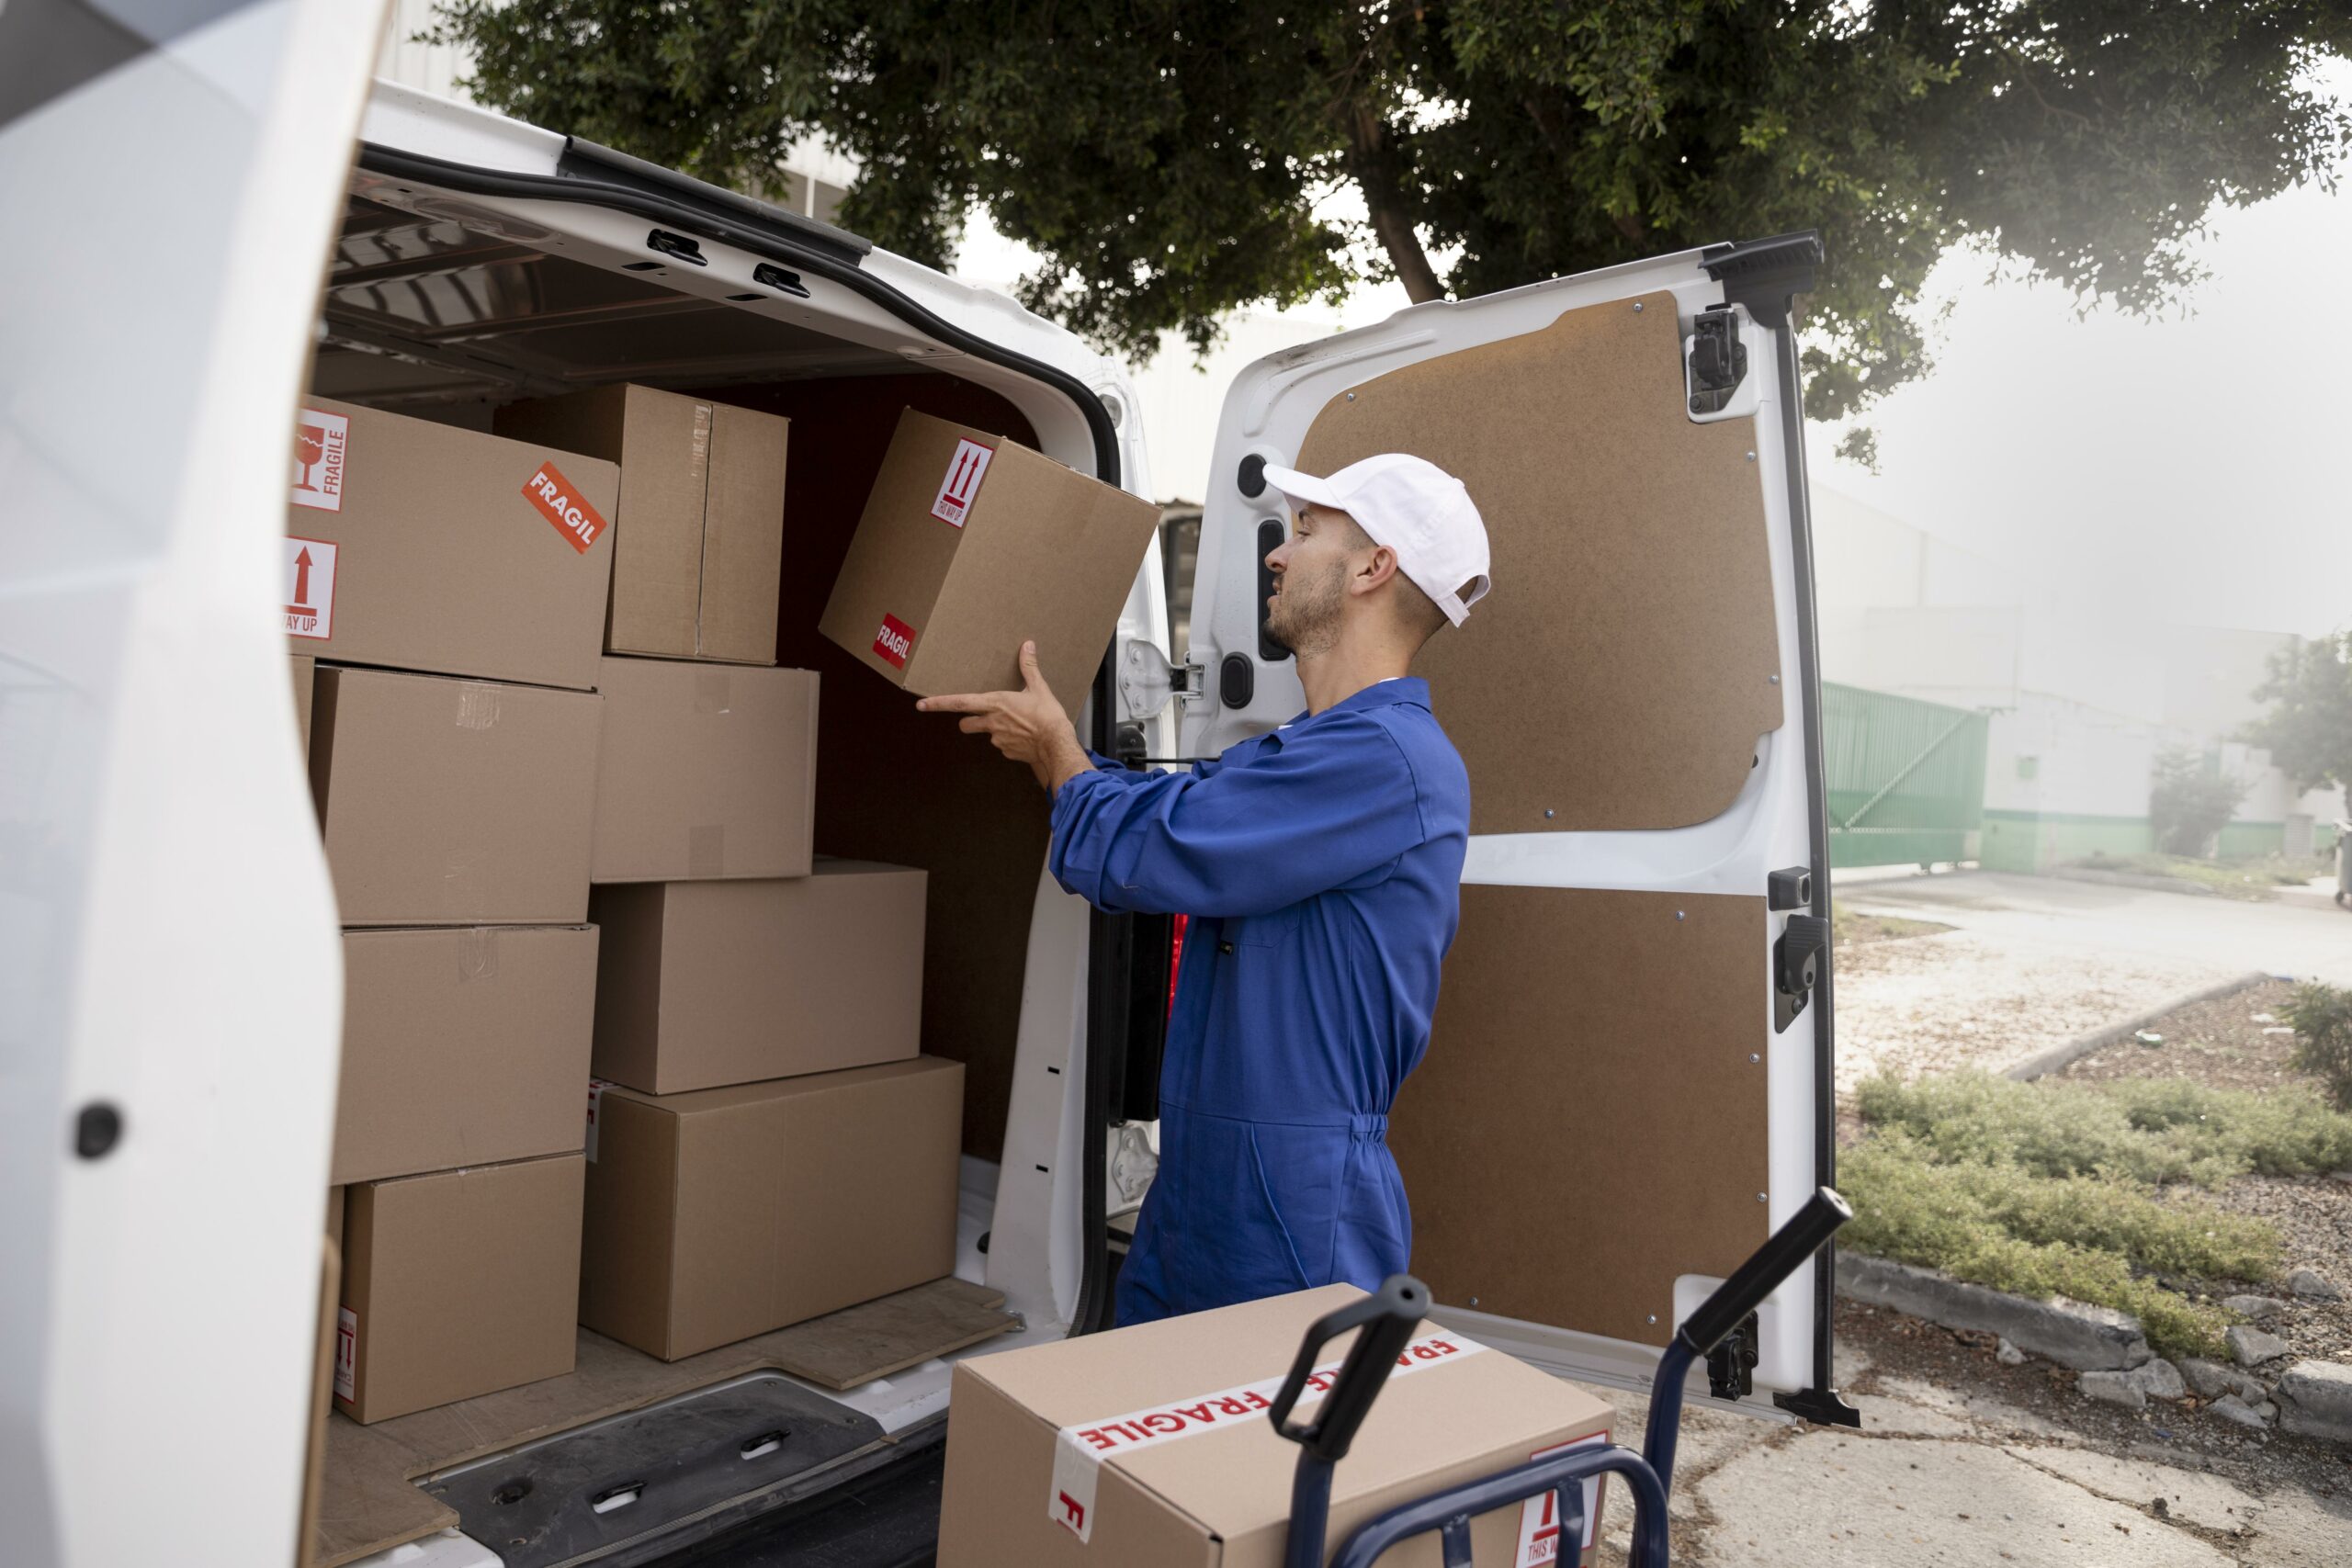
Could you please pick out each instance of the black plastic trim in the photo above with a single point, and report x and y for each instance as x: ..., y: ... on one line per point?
x: 1766, y: 275
x: 584, y: 159
x: 598, y: 176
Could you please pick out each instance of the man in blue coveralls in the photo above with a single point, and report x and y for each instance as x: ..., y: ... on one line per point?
x: 1321, y: 865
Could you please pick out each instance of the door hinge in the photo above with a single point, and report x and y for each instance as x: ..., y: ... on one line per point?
x: 1715, y: 358
x: 1796, y: 960
x: 1731, y: 1366
x: 1147, y: 680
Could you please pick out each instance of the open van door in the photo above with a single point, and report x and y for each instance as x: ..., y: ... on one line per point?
x: 171, y: 993
x: 1628, y: 1082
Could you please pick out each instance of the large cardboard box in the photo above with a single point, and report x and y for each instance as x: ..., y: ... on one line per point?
x: 704, y: 771
x: 457, y: 1283
x: 701, y: 984
x: 726, y: 1212
x: 1151, y: 1447
x: 971, y: 543
x: 453, y: 802
x: 698, y: 538
x: 306, y: 670
x: 418, y: 546
x: 462, y: 1047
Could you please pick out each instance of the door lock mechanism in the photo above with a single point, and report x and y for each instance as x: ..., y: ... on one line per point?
x: 1796, y: 960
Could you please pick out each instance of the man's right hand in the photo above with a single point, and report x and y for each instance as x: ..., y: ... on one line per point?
x: 1027, y: 726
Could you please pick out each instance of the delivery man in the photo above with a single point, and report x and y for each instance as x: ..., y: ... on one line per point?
x: 1321, y: 865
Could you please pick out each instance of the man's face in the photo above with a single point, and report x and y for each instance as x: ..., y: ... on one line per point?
x: 1311, y: 570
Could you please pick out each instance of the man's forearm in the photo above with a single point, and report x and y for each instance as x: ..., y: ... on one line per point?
x: 1062, y: 761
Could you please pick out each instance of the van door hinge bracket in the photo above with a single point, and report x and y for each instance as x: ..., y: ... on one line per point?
x: 1147, y: 680
x: 1796, y: 960
x: 1716, y: 360
x: 1731, y: 1366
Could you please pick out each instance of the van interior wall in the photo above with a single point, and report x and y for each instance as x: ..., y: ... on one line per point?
x: 893, y: 785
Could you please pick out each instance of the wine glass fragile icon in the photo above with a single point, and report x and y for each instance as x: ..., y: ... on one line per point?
x: 310, y: 446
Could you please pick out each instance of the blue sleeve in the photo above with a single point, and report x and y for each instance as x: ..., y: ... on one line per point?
x: 1240, y: 840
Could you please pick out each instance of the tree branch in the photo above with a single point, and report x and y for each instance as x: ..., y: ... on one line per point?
x: 1372, y: 164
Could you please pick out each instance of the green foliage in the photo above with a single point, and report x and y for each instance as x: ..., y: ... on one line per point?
x: 2321, y: 1017
x: 2001, y: 1225
x: 1165, y: 156
x: 2149, y: 1130
x: 2190, y: 801
x: 2309, y: 727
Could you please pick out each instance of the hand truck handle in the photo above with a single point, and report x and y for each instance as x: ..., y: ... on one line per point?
x: 1387, y: 1317
x: 1762, y: 1275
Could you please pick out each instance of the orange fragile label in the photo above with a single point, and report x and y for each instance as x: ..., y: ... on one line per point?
x: 579, y: 523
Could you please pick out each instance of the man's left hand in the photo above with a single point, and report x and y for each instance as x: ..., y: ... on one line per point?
x: 1027, y: 726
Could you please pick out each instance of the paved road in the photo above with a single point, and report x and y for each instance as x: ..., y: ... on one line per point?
x: 2298, y: 939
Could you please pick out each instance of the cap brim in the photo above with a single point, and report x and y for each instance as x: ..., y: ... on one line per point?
x: 1298, y: 487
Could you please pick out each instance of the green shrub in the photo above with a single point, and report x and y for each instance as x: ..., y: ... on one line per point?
x: 2153, y: 1130
x: 2189, y: 800
x: 2323, y: 1018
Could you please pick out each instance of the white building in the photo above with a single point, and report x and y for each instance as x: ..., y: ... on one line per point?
x: 2081, y: 706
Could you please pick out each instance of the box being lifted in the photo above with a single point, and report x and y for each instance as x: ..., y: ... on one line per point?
x: 698, y: 538
x: 971, y: 543
x: 1151, y: 1447
x: 420, y: 547
x: 453, y: 802
x: 704, y: 771
x: 726, y: 1212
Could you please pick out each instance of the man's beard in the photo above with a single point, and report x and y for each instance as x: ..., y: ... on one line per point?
x: 1304, y: 616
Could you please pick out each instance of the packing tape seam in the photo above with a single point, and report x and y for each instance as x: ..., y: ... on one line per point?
x: 477, y: 953
x: 1080, y: 1450
x: 477, y: 704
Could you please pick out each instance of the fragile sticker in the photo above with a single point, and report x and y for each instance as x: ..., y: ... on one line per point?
x: 310, y: 587
x: 579, y: 523
x: 1539, y: 1516
x: 962, y: 485
x: 1079, y: 1451
x: 346, y: 1354
x: 322, y: 443
x: 596, y: 1088
x: 895, y: 641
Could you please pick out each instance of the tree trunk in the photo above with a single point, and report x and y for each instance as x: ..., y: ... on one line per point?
x: 1373, y: 168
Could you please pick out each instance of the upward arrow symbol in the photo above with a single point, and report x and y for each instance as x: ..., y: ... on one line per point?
x: 301, y: 580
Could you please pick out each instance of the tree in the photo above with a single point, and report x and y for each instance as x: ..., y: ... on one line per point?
x: 2190, y: 801
x: 1166, y: 157
x: 2309, y: 727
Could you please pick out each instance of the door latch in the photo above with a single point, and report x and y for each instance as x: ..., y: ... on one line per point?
x: 1731, y: 1366
x: 1717, y: 360
x: 1147, y: 680
x: 1796, y: 960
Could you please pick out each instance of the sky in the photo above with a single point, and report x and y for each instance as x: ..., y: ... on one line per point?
x: 2191, y: 469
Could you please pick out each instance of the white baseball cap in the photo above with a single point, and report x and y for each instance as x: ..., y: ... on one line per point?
x: 1416, y: 509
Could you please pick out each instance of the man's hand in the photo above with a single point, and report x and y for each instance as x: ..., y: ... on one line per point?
x: 1027, y: 726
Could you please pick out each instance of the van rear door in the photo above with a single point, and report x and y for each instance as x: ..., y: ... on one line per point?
x: 1628, y: 1080
x: 170, y: 993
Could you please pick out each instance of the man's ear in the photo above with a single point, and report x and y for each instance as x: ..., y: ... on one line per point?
x: 1376, y: 570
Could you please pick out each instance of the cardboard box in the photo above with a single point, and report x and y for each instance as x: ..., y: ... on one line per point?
x: 457, y: 1283
x: 698, y: 537
x: 704, y: 771
x: 1170, y: 1459
x: 322, y: 1372
x: 726, y: 1212
x: 464, y: 1046
x: 306, y: 670
x: 417, y: 545
x: 701, y: 984
x: 453, y: 802
x: 970, y: 544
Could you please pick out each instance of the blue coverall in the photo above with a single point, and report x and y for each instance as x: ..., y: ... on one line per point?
x: 1321, y: 865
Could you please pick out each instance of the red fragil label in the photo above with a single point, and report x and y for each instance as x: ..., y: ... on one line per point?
x: 579, y: 523
x: 895, y: 641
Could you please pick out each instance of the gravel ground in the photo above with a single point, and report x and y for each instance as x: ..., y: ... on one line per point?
x: 2229, y: 1042
x: 1963, y: 998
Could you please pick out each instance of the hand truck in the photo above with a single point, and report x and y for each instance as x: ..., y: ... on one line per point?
x: 1387, y: 1318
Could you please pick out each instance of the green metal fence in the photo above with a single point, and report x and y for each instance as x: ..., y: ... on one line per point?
x: 1905, y: 778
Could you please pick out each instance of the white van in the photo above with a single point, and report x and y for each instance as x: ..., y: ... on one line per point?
x: 1628, y: 1082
